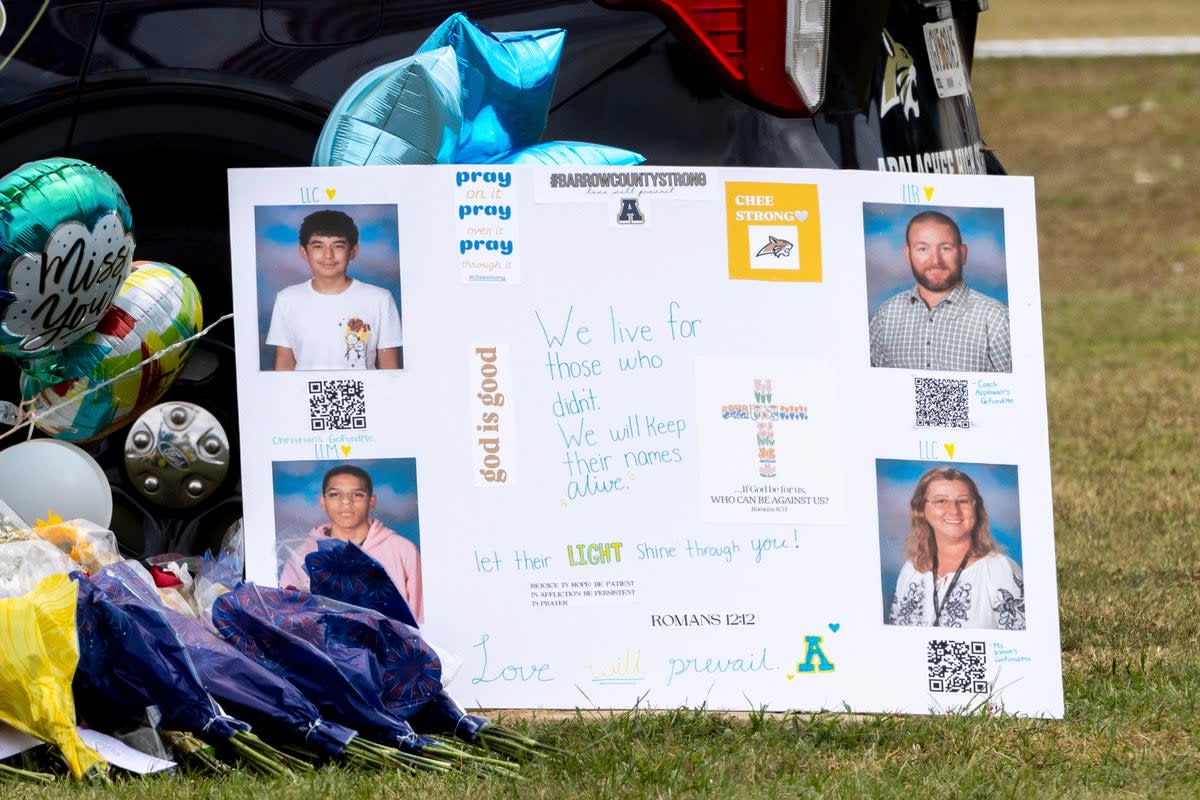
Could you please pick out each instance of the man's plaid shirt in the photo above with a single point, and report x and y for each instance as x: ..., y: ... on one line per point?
x: 967, y: 331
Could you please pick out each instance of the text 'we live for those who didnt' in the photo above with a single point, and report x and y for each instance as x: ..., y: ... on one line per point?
x: 581, y: 359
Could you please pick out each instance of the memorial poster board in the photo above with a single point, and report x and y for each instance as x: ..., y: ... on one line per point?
x: 668, y: 437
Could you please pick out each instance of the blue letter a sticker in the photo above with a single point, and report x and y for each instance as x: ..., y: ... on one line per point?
x: 630, y: 213
x: 814, y: 652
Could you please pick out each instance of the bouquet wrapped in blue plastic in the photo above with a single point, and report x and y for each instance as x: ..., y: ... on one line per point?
x: 290, y: 633
x: 371, y: 616
x: 248, y: 690
x: 342, y: 571
x: 131, y: 660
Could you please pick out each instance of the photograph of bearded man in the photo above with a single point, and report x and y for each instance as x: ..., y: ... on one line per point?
x: 935, y: 320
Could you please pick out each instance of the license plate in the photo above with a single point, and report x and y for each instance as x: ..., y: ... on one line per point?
x: 946, y: 59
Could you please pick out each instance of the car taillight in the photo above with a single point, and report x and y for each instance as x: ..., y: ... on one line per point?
x: 772, y: 50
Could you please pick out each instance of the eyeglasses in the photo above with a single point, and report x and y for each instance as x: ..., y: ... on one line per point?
x: 943, y: 503
x: 355, y: 497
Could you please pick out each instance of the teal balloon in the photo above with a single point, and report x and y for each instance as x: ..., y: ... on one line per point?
x: 66, y: 243
x: 405, y: 112
x: 572, y: 154
x: 507, y: 82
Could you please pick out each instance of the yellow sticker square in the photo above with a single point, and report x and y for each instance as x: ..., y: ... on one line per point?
x: 774, y: 231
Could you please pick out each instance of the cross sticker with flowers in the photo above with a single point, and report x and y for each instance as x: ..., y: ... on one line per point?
x: 764, y: 414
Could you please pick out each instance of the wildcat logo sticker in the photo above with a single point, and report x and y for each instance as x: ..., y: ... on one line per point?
x: 899, y: 80
x: 774, y: 231
x: 780, y: 248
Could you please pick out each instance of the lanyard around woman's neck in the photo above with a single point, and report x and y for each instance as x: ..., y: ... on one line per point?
x: 938, y: 608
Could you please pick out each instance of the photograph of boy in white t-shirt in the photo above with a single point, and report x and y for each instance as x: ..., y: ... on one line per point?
x: 333, y: 321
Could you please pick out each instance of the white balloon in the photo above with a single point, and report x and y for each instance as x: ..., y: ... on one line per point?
x: 43, y: 476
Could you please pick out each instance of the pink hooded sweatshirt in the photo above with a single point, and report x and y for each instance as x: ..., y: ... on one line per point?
x: 398, y: 556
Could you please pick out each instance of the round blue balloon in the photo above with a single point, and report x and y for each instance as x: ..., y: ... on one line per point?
x: 66, y: 243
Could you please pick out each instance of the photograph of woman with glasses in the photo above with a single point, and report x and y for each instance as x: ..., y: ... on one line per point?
x: 348, y: 500
x: 955, y: 575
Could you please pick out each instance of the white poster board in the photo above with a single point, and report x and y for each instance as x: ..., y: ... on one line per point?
x: 638, y: 441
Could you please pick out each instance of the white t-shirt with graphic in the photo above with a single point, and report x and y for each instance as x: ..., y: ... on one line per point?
x: 335, y: 331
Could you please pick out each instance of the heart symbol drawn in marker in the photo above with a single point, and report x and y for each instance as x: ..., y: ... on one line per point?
x: 801, y: 216
x: 928, y: 193
x: 835, y: 626
x: 345, y: 450
x: 330, y: 193
x: 949, y: 449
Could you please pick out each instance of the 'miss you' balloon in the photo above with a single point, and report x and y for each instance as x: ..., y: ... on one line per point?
x: 157, y: 307
x: 66, y: 244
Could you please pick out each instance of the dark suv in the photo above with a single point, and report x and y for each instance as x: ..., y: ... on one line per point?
x: 167, y: 94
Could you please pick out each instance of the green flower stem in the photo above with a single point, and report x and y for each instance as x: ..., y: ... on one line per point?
x: 97, y: 775
x: 364, y: 753
x: 18, y: 775
x: 514, y: 743
x: 421, y: 761
x: 451, y: 751
x: 508, y: 748
x: 197, y: 753
x: 260, y: 756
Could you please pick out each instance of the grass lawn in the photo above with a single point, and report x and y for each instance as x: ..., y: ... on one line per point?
x: 1113, y: 145
x: 1046, y: 19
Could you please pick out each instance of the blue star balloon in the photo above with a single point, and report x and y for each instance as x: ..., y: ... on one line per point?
x: 572, y: 154
x: 406, y: 112
x: 507, y: 80
x: 469, y: 96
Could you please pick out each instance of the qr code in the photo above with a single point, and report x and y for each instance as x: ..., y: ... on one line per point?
x: 941, y: 403
x: 337, y: 405
x: 957, y: 666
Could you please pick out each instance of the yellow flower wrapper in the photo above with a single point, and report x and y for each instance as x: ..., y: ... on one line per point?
x: 37, y: 664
